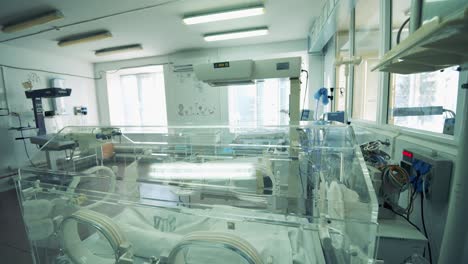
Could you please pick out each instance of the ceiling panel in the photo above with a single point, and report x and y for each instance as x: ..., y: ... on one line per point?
x: 159, y: 29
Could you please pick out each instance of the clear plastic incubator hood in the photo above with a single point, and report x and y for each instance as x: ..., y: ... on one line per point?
x: 234, y: 195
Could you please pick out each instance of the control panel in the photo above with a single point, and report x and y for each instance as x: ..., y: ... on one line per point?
x: 429, y: 173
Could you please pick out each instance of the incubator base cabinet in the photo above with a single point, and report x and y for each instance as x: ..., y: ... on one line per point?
x: 235, y: 195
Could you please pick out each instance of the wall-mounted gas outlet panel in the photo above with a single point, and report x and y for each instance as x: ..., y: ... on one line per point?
x: 436, y: 172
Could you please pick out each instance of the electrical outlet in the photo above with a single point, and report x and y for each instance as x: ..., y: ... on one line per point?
x: 80, y: 110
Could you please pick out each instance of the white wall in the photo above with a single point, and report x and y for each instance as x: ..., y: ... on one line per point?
x: 184, y: 89
x: 83, y: 94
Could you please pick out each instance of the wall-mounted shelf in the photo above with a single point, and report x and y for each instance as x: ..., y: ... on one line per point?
x: 436, y: 45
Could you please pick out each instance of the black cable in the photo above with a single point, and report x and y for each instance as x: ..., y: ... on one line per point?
x: 59, y: 73
x: 307, y: 86
x: 415, y: 226
x: 404, y: 217
x: 410, y: 207
x: 23, y: 139
x: 401, y: 30
x: 413, y: 196
x: 425, y: 230
x: 14, y: 247
x: 100, y: 76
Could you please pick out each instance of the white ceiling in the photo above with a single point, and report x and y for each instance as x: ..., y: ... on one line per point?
x: 160, y: 30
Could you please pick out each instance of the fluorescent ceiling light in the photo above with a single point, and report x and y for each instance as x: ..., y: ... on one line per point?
x: 237, y: 34
x: 120, y: 49
x: 33, y: 21
x: 89, y: 37
x: 224, y: 15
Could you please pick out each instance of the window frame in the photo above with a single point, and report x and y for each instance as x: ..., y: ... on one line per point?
x: 383, y: 102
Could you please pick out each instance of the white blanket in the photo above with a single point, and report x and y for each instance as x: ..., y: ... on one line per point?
x: 155, y: 231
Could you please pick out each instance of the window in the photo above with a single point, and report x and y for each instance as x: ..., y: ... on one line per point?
x: 426, y: 101
x: 265, y: 103
x: 137, y: 97
x: 367, y: 43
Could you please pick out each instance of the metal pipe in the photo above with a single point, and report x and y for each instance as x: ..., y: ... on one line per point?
x: 350, y: 68
x: 385, y: 46
x: 456, y: 229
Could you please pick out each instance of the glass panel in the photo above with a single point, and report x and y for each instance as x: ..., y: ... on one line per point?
x: 426, y: 101
x: 85, y: 241
x: 367, y: 43
x: 200, y: 193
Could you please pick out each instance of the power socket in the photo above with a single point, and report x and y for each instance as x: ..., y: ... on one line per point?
x: 80, y: 110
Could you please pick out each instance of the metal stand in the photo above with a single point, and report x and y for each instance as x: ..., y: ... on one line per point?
x: 456, y: 230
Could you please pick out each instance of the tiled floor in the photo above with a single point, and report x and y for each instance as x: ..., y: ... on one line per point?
x: 14, y: 248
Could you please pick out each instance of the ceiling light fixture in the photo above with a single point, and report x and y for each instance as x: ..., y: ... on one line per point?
x: 237, y: 34
x: 120, y: 49
x: 33, y: 21
x: 88, y: 37
x: 224, y: 15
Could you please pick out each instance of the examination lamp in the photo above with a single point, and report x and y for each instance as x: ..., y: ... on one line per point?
x: 33, y: 21
x: 224, y: 15
x: 255, y: 32
x: 120, y: 49
x: 83, y: 38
